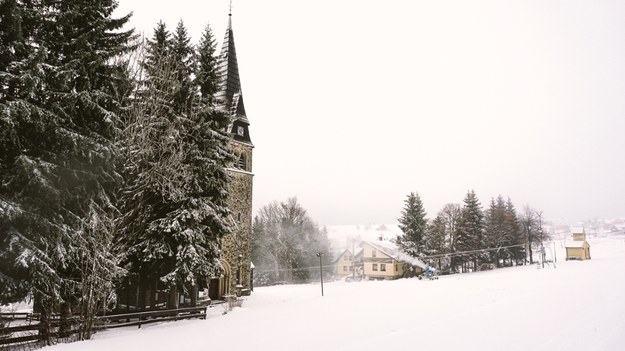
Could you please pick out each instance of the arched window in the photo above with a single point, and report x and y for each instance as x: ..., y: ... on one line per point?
x: 242, y: 162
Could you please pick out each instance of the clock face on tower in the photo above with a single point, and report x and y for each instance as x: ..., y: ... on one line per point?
x: 241, y: 131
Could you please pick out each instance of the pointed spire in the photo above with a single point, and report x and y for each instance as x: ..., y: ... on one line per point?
x: 230, y: 91
x: 229, y: 71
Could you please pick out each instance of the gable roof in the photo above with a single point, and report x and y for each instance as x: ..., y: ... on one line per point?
x: 391, y: 250
x: 576, y: 244
x: 341, y: 255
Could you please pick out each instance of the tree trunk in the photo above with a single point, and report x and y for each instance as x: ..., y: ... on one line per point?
x: 172, y: 302
x: 153, y: 292
x: 193, y: 292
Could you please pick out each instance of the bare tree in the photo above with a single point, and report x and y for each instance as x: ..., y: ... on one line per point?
x: 531, y: 224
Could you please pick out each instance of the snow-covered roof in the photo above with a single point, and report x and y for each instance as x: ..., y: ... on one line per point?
x: 575, y: 244
x: 341, y: 255
x: 390, y: 249
x: 577, y: 230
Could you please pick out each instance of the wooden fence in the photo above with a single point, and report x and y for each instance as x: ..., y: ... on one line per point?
x: 29, y: 330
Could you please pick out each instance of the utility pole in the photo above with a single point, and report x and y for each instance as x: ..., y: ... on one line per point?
x: 353, y: 259
x: 320, y: 271
x: 555, y: 259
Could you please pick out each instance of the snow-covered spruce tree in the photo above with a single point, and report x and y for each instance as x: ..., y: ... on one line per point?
x: 413, y: 225
x: 497, y: 233
x: 470, y: 232
x: 17, y: 62
x: 61, y: 111
x: 513, y: 225
x: 435, y: 241
x: 207, y: 68
x: 174, y: 200
x: 213, y: 154
x: 153, y: 170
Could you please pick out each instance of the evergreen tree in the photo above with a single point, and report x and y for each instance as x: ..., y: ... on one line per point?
x: 183, y: 57
x: 513, y: 226
x: 471, y: 231
x: 498, y: 233
x: 61, y: 104
x: 435, y: 241
x: 207, y: 67
x: 413, y: 225
x: 177, y: 144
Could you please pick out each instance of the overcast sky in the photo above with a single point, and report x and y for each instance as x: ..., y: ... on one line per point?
x: 354, y: 104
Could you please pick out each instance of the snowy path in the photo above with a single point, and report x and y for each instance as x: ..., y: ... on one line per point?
x: 578, y: 306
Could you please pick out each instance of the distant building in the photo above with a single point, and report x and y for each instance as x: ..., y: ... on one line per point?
x: 344, y: 264
x: 578, y: 248
x: 383, y: 260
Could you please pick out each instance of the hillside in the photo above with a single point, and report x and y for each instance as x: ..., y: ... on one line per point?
x: 576, y: 306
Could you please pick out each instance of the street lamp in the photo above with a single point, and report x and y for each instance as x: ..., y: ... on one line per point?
x: 239, y: 285
x: 320, y: 271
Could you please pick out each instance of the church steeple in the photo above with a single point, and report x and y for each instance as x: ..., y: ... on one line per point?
x: 230, y: 93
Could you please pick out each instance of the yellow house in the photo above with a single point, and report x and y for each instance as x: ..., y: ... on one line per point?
x: 578, y: 249
x: 344, y: 264
x: 383, y: 260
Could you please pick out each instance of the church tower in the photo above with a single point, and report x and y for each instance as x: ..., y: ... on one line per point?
x: 236, y: 249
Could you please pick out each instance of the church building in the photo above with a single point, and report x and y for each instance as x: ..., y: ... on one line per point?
x: 236, y: 251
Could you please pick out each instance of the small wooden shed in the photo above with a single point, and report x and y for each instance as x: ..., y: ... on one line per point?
x: 577, y: 250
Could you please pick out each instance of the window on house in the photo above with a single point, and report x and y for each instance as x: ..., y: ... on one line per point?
x: 344, y: 268
x: 383, y: 267
x: 373, y: 253
x: 396, y: 267
x: 374, y: 267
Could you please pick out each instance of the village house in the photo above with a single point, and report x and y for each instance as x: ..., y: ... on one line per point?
x: 344, y: 264
x: 383, y: 260
x: 578, y: 248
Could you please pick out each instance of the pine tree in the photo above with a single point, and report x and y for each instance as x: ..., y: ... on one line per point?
x: 435, y: 241
x: 154, y: 171
x: 514, y: 227
x: 62, y: 106
x: 497, y: 233
x: 183, y: 57
x: 413, y: 225
x: 471, y: 231
x: 207, y: 68
x: 177, y: 145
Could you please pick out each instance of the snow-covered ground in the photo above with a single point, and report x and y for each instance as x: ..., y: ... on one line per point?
x: 577, y: 306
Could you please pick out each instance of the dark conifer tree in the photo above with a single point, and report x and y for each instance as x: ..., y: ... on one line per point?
x: 470, y: 235
x: 183, y: 57
x: 513, y: 225
x: 413, y: 225
x: 174, y: 202
x: 498, y: 235
x: 207, y: 67
x: 62, y: 107
x: 435, y: 241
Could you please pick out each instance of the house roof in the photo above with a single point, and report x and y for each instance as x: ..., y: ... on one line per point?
x: 391, y: 250
x: 341, y: 255
x: 577, y: 230
x: 576, y: 244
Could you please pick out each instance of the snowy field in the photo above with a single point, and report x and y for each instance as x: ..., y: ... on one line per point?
x: 577, y: 306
